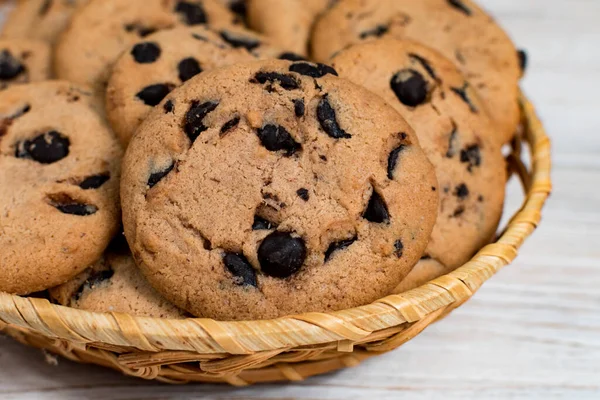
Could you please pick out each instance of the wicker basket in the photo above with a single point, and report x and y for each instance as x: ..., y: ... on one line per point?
x: 290, y: 348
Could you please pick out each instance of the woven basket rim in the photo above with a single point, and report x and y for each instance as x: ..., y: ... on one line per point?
x: 343, y: 328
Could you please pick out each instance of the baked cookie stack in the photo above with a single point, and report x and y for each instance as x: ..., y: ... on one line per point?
x: 244, y: 160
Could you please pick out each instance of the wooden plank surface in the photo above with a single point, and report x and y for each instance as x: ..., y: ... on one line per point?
x: 532, y: 332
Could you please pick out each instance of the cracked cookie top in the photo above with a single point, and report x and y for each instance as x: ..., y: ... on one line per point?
x: 273, y: 188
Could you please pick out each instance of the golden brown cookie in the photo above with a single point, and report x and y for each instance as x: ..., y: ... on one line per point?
x: 458, y: 29
x: 59, y: 206
x: 274, y: 188
x: 455, y: 133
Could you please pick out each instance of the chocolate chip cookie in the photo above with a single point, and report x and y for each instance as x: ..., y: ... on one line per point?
x: 102, y: 29
x: 114, y: 284
x: 41, y: 20
x: 458, y: 29
x: 272, y: 188
x: 157, y: 64
x: 23, y: 61
x: 60, y: 178
x: 287, y: 22
x: 455, y: 133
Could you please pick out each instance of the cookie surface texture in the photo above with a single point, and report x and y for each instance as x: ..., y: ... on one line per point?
x: 458, y: 29
x: 85, y: 55
x: 59, y: 206
x: 455, y: 133
x: 23, y: 61
x: 292, y: 197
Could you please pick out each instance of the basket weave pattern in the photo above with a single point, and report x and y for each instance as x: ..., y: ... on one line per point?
x: 290, y: 348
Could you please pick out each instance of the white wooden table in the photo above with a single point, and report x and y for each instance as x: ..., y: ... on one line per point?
x: 532, y: 332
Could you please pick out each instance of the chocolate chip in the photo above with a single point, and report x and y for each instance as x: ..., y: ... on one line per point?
x: 523, y: 60
x: 277, y: 138
x: 261, y: 224
x: 152, y: 95
x: 188, y: 68
x: 452, y: 141
x: 377, y: 210
x: 242, y: 270
x: 20, y: 112
x: 238, y: 7
x: 146, y: 53
x: 229, y: 125
x: 398, y: 248
x: 378, y: 31
x: 45, y: 7
x: 336, y: 246
x: 303, y: 194
x: 192, y: 13
x: 238, y: 41
x: 194, y: 125
x: 393, y: 160
x: 459, y: 211
x: 410, y: 87
x: 461, y: 191
x: 462, y: 93
x: 459, y: 5
x: 291, y: 56
x: 312, y: 70
x: 94, y: 181
x: 158, y: 176
x: 10, y: 67
x: 46, y: 148
x: 67, y: 205
x: 94, y: 280
x: 169, y: 107
x: 425, y: 64
x: 471, y: 156
x: 328, y: 120
x: 288, y: 82
x: 299, y: 108
x: 281, y: 255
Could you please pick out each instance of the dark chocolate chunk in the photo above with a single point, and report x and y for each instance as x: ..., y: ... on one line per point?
x: 461, y: 191
x: 193, y: 124
x: 299, y: 108
x: 410, y: 87
x: 378, y: 31
x: 238, y: 41
x: 459, y: 211
x: 462, y: 93
x: 393, y: 160
x: 76, y: 209
x: 377, y: 210
x: 10, y: 67
x: 241, y: 269
x: 229, y: 125
x: 94, y: 181
x: 471, y: 156
x: 312, y: 70
x: 46, y: 148
x: 452, y: 141
x: 523, y: 60
x: 169, y: 107
x: 291, y: 56
x: 152, y: 95
x: 303, y: 194
x: 328, y: 120
x: 459, y: 5
x: 425, y: 64
x: 156, y: 177
x: 261, y: 224
x: 288, y: 82
x: 398, y: 248
x: 281, y: 255
x: 94, y: 280
x: 192, y: 13
x: 238, y: 7
x: 277, y: 138
x: 336, y: 246
x: 146, y: 53
x: 188, y: 68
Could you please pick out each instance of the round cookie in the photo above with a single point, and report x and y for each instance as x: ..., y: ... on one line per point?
x: 60, y: 178
x: 23, y: 61
x: 157, y: 64
x: 273, y: 188
x: 41, y: 20
x: 101, y: 30
x: 114, y: 284
x: 455, y: 133
x: 287, y: 22
x: 458, y: 29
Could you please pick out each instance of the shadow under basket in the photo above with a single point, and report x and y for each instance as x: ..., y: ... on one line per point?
x: 290, y: 348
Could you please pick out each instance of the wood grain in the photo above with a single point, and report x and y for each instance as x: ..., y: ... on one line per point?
x: 532, y: 332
